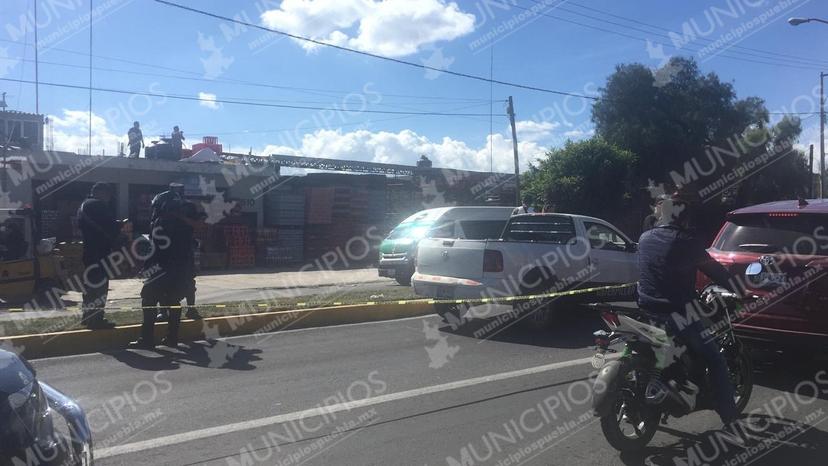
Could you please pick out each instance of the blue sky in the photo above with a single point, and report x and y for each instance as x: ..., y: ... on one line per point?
x: 460, y: 36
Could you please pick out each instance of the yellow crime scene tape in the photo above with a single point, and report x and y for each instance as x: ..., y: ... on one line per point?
x: 598, y: 290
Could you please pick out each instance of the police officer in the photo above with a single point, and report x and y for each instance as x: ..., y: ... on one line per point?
x: 100, y: 231
x: 669, y: 255
x: 169, y: 274
x: 175, y: 193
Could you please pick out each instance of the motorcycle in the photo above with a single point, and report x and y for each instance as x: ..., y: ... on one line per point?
x: 655, y: 377
x: 39, y: 424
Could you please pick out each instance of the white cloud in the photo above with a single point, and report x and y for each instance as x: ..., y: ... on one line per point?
x: 71, y: 133
x: 205, y: 99
x: 406, y: 146
x: 530, y: 130
x: 579, y: 133
x: 393, y: 28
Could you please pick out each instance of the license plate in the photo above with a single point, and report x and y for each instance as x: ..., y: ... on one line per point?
x: 770, y: 278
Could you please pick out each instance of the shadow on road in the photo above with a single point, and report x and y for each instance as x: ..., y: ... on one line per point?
x: 773, y: 441
x: 214, y: 354
x: 571, y: 327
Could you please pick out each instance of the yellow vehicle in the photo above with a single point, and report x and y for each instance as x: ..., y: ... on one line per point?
x: 28, y: 265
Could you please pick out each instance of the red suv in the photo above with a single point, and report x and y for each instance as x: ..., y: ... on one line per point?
x: 780, y: 251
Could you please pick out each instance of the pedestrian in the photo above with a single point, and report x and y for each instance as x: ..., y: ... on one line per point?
x: 177, y: 141
x: 136, y: 140
x: 651, y: 221
x: 525, y: 208
x: 100, y: 231
x: 168, y: 275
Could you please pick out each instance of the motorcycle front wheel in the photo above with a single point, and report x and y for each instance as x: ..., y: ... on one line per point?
x: 741, y: 374
x: 630, y: 425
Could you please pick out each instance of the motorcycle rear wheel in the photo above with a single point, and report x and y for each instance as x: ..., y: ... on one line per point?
x: 640, y: 426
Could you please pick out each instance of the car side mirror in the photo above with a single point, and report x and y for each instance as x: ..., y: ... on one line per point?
x: 632, y: 247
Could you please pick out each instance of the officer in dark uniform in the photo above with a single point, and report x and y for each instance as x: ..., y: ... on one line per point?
x: 175, y: 193
x: 169, y: 277
x: 100, y: 231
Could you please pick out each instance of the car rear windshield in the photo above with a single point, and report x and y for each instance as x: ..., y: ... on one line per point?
x: 546, y: 228
x: 799, y: 234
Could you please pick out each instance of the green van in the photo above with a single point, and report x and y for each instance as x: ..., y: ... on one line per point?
x: 397, y: 258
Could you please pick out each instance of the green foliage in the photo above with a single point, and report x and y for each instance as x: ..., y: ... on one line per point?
x: 591, y: 177
x: 688, y: 128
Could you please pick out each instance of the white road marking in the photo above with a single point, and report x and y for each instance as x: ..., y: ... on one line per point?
x: 323, y: 410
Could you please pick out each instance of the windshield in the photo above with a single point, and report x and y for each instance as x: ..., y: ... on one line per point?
x: 801, y: 234
x: 550, y: 229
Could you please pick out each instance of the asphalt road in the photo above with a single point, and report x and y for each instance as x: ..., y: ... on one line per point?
x: 410, y: 391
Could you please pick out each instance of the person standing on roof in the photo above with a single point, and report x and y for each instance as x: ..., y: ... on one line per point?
x: 177, y: 141
x: 136, y: 140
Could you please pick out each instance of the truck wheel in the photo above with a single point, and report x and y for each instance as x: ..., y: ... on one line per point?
x: 449, y: 312
x: 403, y: 276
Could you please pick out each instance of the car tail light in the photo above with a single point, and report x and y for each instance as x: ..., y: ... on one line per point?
x: 492, y: 261
x: 611, y: 319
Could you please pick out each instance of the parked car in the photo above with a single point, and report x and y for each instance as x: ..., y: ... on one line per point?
x: 398, y: 250
x: 536, y: 252
x: 780, y: 249
x: 38, y: 424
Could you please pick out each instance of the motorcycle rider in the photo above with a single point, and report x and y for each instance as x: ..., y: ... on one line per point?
x: 669, y: 257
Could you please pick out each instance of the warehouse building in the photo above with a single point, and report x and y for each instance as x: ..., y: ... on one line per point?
x: 254, y: 215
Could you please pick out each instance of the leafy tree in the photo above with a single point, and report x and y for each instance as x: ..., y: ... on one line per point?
x: 591, y: 177
x: 689, y: 128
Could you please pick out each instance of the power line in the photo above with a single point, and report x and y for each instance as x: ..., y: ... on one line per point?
x: 630, y: 36
x: 199, y: 77
x: 281, y: 130
x: 233, y: 102
x: 704, y: 39
x: 382, y: 104
x: 373, y: 55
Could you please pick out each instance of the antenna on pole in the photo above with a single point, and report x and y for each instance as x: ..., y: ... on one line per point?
x: 511, y: 111
x: 37, y: 62
x: 90, y: 76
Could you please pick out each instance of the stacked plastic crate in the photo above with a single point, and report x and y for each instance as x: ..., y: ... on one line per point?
x: 285, y: 210
x: 49, y: 223
x: 266, y: 253
x: 320, y: 207
x: 240, y: 250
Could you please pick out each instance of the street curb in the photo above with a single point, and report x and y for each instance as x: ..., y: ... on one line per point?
x: 92, y: 341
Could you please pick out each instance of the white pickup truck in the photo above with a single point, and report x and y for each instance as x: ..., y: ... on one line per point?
x: 536, y: 253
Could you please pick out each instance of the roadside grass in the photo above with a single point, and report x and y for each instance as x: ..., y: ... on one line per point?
x: 348, y: 294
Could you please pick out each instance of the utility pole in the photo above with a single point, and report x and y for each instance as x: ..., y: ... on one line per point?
x: 811, y: 172
x: 511, y: 111
x: 37, y: 64
x: 822, y: 134
x: 90, y: 76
